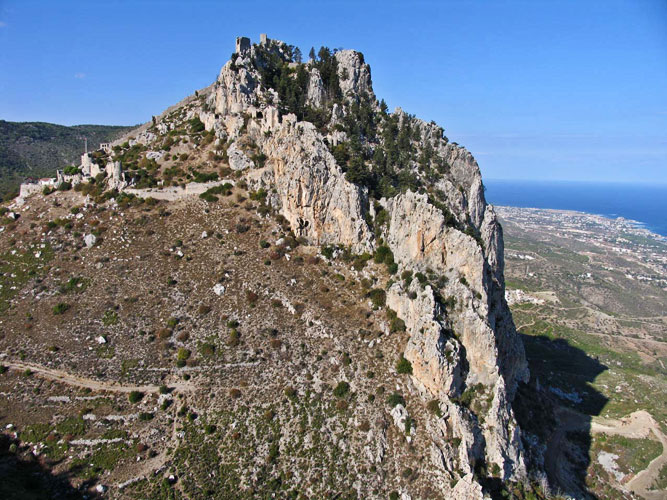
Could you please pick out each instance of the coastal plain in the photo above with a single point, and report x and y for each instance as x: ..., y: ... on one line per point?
x: 588, y: 295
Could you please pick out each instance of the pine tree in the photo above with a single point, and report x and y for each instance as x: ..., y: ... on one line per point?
x: 383, y: 106
x: 297, y: 55
x: 311, y: 54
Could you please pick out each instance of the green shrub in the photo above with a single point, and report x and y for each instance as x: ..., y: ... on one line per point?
x: 203, y: 178
x: 291, y: 393
x: 74, y: 284
x: 383, y: 254
x: 110, y: 318
x: 71, y: 170
x: 360, y: 261
x: 434, y: 407
x: 469, y: 395
x: 207, y: 349
x: 328, y: 251
x: 396, y: 324
x: 135, y: 396
x: 403, y: 366
x: 234, y: 337
x: 208, y: 197
x: 259, y: 195
x: 341, y: 389
x: 395, y: 399
x: 378, y: 297
x: 61, y: 308
x: 196, y: 125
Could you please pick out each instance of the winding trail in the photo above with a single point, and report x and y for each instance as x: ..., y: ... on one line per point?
x: 638, y: 425
x: 96, y: 385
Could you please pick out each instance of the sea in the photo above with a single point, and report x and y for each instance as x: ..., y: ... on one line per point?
x: 643, y: 203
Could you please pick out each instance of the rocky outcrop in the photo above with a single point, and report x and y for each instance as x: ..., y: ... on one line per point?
x: 235, y: 87
x: 238, y: 160
x: 313, y: 194
x: 467, y: 489
x: 435, y: 357
x: 354, y: 74
x: 315, y: 96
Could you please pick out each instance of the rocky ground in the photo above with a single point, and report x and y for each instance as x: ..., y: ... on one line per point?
x: 247, y: 343
x: 197, y: 349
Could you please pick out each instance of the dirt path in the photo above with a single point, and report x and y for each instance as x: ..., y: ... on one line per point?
x: 174, y: 193
x: 639, y: 425
x: 526, y: 325
x: 96, y: 385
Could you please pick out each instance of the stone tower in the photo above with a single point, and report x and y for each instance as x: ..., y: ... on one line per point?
x: 242, y: 44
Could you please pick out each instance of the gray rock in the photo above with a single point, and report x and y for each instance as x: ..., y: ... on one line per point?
x: 238, y: 160
x: 90, y: 240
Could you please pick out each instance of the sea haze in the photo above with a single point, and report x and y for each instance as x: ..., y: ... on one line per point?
x: 643, y: 203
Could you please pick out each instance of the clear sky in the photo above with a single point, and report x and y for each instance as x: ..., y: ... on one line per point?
x: 535, y: 89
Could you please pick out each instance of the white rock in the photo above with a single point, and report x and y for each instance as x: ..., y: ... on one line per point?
x: 219, y: 289
x: 90, y: 240
x: 238, y: 160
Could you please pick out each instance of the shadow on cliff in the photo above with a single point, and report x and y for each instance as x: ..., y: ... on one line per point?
x: 557, y: 406
x: 26, y: 477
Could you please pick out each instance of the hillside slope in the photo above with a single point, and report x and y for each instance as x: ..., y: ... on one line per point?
x: 36, y: 149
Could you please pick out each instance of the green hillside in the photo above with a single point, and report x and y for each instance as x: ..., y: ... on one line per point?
x: 36, y: 149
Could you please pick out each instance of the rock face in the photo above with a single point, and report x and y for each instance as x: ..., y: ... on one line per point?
x: 354, y: 74
x: 313, y: 193
x: 462, y: 345
x: 238, y: 160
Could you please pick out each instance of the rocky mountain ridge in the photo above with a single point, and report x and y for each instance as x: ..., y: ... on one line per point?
x: 312, y: 143
x: 451, y: 350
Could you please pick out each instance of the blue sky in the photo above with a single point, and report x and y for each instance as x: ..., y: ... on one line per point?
x: 535, y: 89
